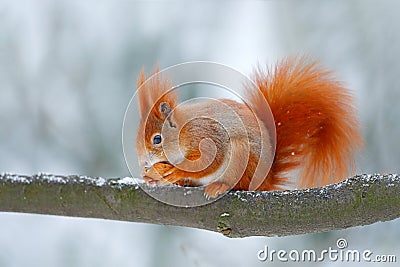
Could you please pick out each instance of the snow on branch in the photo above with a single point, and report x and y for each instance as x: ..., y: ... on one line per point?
x: 360, y: 200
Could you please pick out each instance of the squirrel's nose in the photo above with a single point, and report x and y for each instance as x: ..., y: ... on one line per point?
x: 147, y: 165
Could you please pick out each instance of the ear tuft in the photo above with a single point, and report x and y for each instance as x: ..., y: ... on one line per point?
x: 153, y: 91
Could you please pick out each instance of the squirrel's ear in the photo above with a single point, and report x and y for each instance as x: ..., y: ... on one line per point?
x: 166, y: 111
x: 153, y: 91
x: 165, y: 108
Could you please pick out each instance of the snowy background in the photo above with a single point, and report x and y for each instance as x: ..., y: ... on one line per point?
x: 68, y: 70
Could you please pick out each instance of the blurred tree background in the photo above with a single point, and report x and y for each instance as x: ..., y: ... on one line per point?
x: 68, y: 70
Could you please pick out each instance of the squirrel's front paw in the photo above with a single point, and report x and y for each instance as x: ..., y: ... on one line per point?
x: 215, y: 189
x: 170, y: 178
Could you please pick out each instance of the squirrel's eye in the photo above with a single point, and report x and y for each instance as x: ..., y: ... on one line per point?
x: 157, y: 139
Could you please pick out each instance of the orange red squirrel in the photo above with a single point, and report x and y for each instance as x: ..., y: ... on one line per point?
x: 317, y: 132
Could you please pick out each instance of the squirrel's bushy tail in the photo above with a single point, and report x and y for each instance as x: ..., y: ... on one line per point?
x: 316, y: 123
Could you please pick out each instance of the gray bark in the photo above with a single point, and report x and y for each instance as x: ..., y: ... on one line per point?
x: 360, y: 200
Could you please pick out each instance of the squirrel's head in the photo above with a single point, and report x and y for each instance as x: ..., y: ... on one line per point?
x: 156, y: 105
x: 175, y: 137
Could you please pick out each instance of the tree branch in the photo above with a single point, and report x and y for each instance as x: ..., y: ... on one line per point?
x: 360, y: 200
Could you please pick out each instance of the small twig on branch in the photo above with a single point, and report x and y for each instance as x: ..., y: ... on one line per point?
x: 361, y: 200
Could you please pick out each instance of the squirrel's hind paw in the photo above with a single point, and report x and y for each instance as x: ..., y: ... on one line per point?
x: 215, y: 189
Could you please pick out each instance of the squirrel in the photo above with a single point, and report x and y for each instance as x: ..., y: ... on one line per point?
x: 317, y: 133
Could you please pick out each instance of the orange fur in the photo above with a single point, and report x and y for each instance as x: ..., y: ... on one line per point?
x: 316, y: 126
